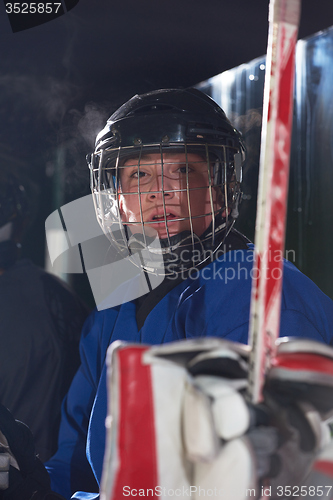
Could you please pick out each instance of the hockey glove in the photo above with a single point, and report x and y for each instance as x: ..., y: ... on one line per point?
x: 22, y: 474
x: 285, y: 432
x: 180, y: 419
x: 299, y: 395
x: 171, y: 431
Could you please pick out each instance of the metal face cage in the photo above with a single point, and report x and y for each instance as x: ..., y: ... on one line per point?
x: 202, y: 180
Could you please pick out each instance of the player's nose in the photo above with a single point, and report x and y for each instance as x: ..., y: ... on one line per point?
x: 161, y: 186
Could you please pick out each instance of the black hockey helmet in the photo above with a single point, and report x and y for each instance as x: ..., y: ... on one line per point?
x: 166, y: 121
x: 169, y: 116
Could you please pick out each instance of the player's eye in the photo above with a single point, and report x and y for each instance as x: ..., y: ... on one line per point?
x: 138, y: 174
x: 183, y: 169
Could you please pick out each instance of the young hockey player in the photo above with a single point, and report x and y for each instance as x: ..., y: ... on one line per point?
x: 166, y: 175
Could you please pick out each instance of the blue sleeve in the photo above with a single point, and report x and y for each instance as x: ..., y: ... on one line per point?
x: 220, y: 307
x: 69, y: 468
x: 306, y: 310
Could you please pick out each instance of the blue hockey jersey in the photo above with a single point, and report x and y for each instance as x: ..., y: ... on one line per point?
x: 213, y: 301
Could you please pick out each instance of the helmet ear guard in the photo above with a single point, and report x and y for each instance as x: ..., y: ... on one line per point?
x: 166, y: 122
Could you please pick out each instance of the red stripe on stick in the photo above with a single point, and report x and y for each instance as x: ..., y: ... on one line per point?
x: 272, y: 192
x: 280, y: 176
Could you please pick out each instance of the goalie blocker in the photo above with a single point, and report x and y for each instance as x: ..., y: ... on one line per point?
x: 178, y: 423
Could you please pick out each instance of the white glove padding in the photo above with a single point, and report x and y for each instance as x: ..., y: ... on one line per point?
x: 231, y: 475
x: 145, y: 438
x: 215, y: 419
x: 212, y: 410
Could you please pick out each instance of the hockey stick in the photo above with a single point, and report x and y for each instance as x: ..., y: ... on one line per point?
x: 273, y: 187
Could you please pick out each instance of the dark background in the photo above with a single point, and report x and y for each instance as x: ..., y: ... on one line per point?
x: 59, y: 81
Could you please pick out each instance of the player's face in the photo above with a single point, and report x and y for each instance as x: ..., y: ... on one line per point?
x: 170, y: 192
